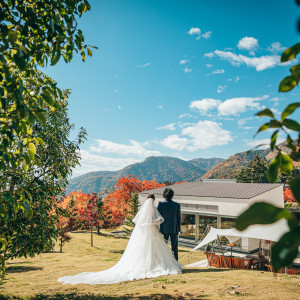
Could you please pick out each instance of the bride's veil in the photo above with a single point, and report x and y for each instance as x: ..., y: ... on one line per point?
x: 148, y: 214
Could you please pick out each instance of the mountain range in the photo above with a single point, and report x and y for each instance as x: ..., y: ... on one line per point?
x: 165, y: 168
x: 159, y: 168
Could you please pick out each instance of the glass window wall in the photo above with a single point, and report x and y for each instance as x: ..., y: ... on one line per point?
x: 188, y: 226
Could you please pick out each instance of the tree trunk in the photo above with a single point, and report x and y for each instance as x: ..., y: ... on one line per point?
x: 92, y: 236
x: 98, y: 229
x: 61, y: 244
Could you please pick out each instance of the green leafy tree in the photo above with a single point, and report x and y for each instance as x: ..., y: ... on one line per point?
x: 33, y: 34
x: 286, y: 249
x: 32, y: 231
x: 133, y: 208
x: 255, y: 171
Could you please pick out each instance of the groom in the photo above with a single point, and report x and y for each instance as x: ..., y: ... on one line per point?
x: 170, y: 211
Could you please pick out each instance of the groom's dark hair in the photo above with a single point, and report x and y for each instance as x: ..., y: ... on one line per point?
x: 168, y: 194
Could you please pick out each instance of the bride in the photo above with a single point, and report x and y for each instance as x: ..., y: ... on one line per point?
x: 146, y: 256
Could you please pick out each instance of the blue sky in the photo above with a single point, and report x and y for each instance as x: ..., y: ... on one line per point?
x: 176, y: 78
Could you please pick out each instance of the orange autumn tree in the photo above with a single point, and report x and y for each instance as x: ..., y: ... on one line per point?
x: 124, y: 189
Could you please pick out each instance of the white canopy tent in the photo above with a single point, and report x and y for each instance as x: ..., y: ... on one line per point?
x: 271, y: 232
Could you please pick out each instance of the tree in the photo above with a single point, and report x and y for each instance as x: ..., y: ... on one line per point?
x: 89, y: 213
x: 133, y: 208
x: 255, y: 171
x: 286, y: 249
x: 31, y: 231
x: 124, y: 189
x: 33, y: 34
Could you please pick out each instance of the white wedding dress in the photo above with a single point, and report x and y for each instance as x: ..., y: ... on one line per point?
x: 146, y: 256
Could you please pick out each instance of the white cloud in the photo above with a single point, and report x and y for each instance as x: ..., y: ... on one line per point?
x: 92, y: 162
x: 235, y: 106
x: 174, y: 142
x: 275, y: 99
x: 210, y: 54
x: 134, y: 148
x: 167, y: 127
x: 229, y: 79
x: 255, y: 143
x: 204, y: 105
x: 248, y: 43
x: 194, y: 31
x: 119, y: 107
x: 144, y: 65
x: 183, y: 61
x: 237, y: 78
x: 206, y: 134
x: 276, y: 48
x: 218, y: 71
x: 259, y: 63
x: 115, y: 90
x: 221, y: 88
x: 160, y: 106
x: 208, y: 65
x: 187, y: 70
x: 186, y: 115
x: 207, y: 35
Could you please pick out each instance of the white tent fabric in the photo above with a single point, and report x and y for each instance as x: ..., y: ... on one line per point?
x: 271, y: 232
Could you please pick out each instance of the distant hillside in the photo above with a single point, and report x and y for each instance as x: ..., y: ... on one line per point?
x: 229, y: 168
x: 159, y: 168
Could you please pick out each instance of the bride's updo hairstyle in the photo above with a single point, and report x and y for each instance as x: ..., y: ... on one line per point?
x: 151, y: 196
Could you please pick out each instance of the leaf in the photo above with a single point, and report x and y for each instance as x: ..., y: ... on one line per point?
x: 266, y: 113
x: 32, y: 147
x: 289, y: 110
x: 261, y: 213
x: 295, y: 71
x: 295, y: 187
x: 89, y: 52
x: 287, y: 84
x: 291, y: 124
x: 286, y: 249
x: 26, y: 205
x: 275, y: 124
x: 31, y: 155
x: 55, y: 58
x: 13, y: 36
x: 290, y: 53
x: 274, y: 168
x: 273, y: 140
x: 263, y: 127
x: 286, y: 165
x: 41, y: 142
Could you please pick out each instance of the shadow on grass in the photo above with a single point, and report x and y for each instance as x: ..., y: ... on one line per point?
x: 75, y: 296
x: 207, y: 270
x: 20, y: 269
x: 111, y: 235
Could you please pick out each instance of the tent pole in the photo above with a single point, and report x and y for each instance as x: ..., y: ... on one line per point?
x: 222, y: 250
x: 259, y: 251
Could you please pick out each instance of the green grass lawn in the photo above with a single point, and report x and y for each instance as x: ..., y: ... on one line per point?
x: 36, y: 278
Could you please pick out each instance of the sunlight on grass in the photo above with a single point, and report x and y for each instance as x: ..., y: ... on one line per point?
x: 36, y: 278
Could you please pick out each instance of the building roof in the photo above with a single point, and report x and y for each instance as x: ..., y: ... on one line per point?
x: 218, y: 189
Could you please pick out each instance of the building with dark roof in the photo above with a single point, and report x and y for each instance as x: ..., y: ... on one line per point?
x: 217, y: 204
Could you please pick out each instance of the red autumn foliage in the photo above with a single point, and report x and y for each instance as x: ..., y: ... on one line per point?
x: 288, y: 195
x: 88, y: 210
x: 124, y: 189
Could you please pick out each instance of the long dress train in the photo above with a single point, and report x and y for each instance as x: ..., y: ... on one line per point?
x: 146, y: 256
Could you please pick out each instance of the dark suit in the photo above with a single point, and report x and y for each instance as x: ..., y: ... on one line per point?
x: 170, y: 228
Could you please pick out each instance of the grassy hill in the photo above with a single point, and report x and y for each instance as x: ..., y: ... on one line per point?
x: 159, y: 168
x: 36, y: 278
